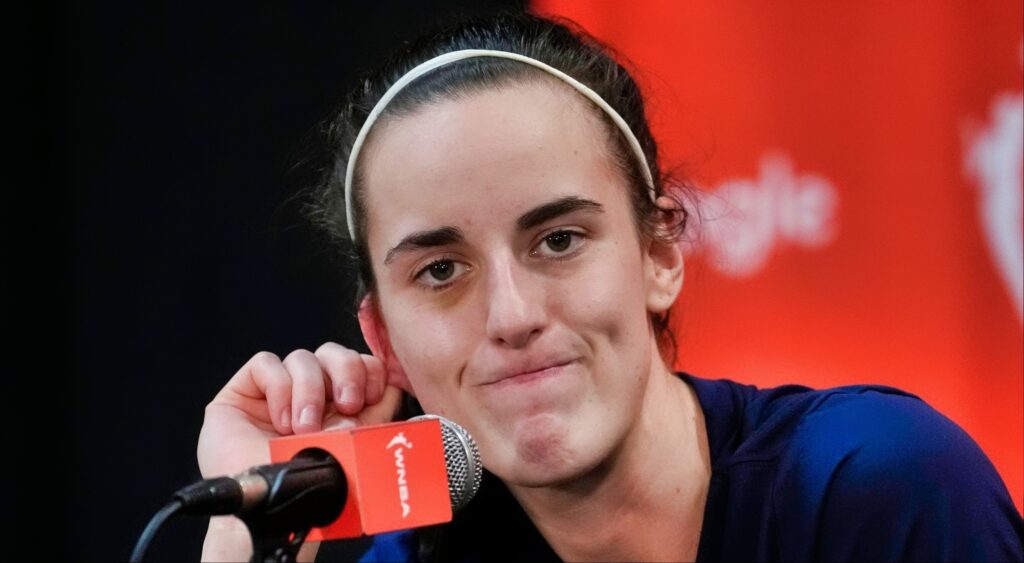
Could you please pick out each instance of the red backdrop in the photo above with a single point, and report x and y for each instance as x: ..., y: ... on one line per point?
x: 861, y: 180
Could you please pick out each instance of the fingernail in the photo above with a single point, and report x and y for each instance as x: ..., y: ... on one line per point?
x: 286, y: 417
x: 347, y: 395
x: 307, y: 417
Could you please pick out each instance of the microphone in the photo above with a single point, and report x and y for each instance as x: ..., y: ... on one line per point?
x: 347, y: 483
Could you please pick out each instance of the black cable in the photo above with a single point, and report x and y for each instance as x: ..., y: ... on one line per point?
x: 152, y: 528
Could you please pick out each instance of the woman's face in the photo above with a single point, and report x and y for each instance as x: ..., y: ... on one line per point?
x: 510, y: 276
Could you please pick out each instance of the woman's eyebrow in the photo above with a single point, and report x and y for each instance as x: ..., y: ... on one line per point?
x: 561, y: 206
x: 425, y: 239
x: 451, y: 235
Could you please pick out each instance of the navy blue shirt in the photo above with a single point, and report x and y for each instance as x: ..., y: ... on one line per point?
x: 851, y: 473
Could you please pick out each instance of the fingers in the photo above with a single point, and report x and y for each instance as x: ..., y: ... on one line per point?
x: 292, y: 394
x: 270, y: 378
x: 385, y: 410
x: 347, y: 373
x: 356, y: 379
x: 308, y: 391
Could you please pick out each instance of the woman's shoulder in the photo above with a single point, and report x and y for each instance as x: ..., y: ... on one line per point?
x: 865, y: 472
x: 868, y: 434
x: 894, y: 477
x: 750, y: 424
x: 872, y: 443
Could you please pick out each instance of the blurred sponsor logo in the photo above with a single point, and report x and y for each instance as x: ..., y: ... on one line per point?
x: 994, y: 157
x: 743, y: 221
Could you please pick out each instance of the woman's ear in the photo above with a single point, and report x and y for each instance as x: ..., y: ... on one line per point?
x: 376, y: 335
x: 664, y: 267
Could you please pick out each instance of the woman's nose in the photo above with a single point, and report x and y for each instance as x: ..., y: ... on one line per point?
x: 515, y: 306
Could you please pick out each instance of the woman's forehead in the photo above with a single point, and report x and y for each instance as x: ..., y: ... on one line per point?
x: 485, y: 156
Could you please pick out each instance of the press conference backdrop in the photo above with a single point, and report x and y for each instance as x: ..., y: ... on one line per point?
x: 860, y: 172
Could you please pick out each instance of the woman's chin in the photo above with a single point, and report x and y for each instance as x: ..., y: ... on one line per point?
x: 542, y: 453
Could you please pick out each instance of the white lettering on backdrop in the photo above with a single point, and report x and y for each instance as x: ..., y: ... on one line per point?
x: 743, y: 221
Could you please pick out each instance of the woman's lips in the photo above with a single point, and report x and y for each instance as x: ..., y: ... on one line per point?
x: 524, y: 377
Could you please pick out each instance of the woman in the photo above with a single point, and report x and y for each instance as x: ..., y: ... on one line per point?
x: 517, y: 247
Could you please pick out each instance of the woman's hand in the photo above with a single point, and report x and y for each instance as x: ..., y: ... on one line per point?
x: 333, y: 387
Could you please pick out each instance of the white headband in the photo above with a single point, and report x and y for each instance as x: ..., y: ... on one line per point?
x: 454, y: 56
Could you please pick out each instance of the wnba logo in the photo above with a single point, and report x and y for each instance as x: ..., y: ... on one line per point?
x: 403, y: 485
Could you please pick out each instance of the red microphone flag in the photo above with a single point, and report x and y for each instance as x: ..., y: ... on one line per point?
x: 397, y: 476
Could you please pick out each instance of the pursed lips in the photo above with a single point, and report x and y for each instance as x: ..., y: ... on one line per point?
x: 525, y: 371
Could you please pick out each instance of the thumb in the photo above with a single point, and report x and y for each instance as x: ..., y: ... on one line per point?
x: 382, y: 412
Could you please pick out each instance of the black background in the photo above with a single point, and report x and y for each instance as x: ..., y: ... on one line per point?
x: 153, y: 242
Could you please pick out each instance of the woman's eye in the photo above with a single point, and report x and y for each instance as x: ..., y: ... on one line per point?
x: 439, y: 272
x: 558, y: 243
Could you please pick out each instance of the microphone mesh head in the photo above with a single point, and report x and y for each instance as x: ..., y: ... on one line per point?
x: 463, y: 461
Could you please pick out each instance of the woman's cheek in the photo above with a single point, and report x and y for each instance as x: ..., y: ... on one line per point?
x: 432, y: 356
x: 608, y: 298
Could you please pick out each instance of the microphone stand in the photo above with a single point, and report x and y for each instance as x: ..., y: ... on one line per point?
x: 308, y: 492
